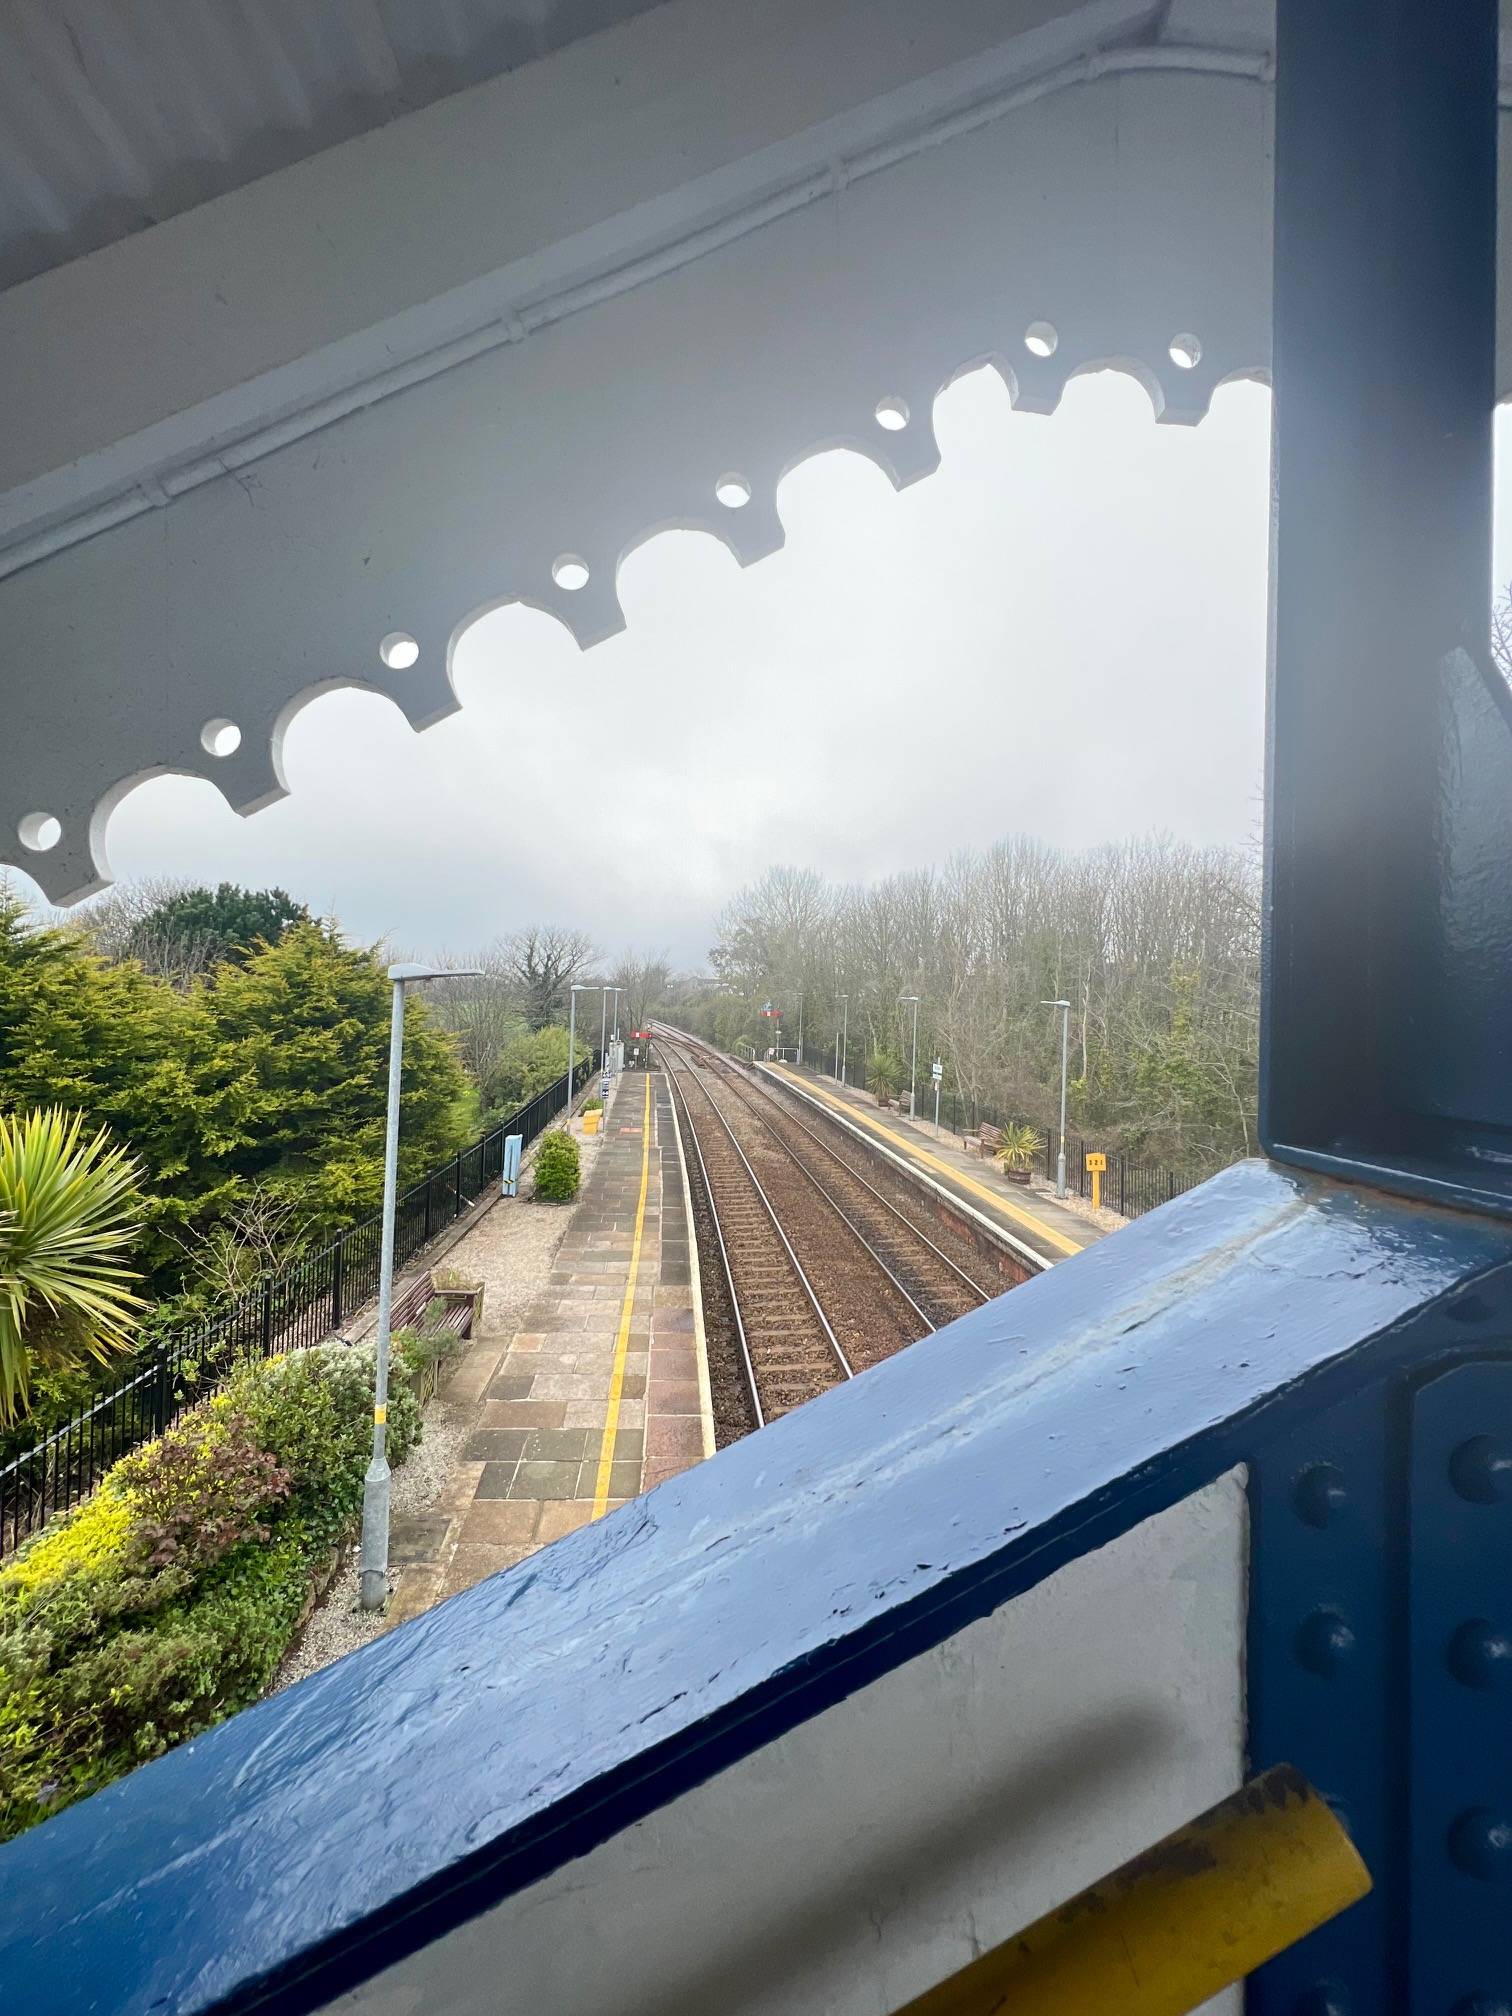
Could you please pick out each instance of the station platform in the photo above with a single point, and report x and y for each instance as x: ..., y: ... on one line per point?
x: 601, y: 1392
x: 1039, y: 1221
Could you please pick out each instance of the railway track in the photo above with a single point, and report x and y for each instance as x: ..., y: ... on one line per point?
x: 820, y: 1274
x: 938, y: 1288
x: 788, y: 1348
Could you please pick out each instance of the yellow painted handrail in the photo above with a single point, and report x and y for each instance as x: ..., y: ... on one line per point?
x: 1198, y: 1911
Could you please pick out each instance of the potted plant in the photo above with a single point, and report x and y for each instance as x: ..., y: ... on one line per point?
x: 884, y: 1074
x: 1019, y: 1149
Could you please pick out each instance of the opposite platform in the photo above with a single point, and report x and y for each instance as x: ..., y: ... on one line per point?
x: 1042, y: 1224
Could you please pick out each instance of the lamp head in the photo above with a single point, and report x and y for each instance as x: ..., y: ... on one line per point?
x: 414, y: 969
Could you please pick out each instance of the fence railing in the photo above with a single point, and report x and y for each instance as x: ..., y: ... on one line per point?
x: 284, y: 1312
x: 1128, y: 1187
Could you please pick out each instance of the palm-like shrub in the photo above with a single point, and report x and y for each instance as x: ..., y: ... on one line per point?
x: 67, y: 1212
x: 1021, y: 1145
x: 884, y: 1074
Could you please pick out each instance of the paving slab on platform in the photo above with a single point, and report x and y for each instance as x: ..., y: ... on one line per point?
x: 602, y: 1392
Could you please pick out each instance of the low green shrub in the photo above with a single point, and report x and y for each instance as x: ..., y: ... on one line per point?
x: 593, y: 1105
x: 559, y: 1167
x: 166, y: 1601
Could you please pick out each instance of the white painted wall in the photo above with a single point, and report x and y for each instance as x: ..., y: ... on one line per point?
x: 861, y: 1858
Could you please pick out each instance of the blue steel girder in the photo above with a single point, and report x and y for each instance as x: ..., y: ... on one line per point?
x: 1380, y: 1663
x: 1386, y: 1041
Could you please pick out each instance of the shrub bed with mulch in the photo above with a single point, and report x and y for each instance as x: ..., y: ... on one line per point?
x: 166, y: 1601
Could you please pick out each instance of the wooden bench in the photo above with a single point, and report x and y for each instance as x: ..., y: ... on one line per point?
x: 989, y: 1140
x: 421, y: 1306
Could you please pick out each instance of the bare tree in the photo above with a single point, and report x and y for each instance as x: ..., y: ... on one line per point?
x: 263, y: 1234
x: 643, y: 980
x: 544, y: 960
x: 1501, y: 634
x: 127, y: 922
x: 484, y: 1013
x: 1155, y: 943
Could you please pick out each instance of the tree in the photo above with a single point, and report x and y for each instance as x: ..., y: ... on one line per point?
x: 643, y: 980
x: 535, y: 1059
x: 298, y: 1075
x: 1501, y: 634
x: 482, y: 1012
x: 543, y: 961
x: 178, y: 931
x: 67, y: 1211
x: 269, y: 1077
x: 127, y: 1052
x: 1155, y: 944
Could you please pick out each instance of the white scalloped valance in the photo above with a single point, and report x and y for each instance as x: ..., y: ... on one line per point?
x: 1107, y: 215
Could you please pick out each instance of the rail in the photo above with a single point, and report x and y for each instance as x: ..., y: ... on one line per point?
x: 282, y: 1312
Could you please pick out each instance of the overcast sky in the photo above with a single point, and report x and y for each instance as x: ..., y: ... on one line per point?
x: 1062, y: 632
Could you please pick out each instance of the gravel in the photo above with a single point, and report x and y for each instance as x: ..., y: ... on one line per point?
x: 510, y: 1250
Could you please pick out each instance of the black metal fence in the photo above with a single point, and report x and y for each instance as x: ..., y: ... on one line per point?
x: 1128, y: 1187
x: 284, y: 1312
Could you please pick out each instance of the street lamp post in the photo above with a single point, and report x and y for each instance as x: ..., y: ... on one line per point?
x: 840, y: 1040
x: 1060, y: 1160
x: 614, y: 1035
x: 375, y: 1485
x: 579, y: 987
x: 913, y: 1061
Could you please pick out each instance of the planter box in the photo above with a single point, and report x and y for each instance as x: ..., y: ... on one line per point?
x: 1019, y: 1176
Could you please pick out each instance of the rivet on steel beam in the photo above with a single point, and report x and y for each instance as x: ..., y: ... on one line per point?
x: 1318, y: 1493
x: 1481, y: 1470
x: 1480, y: 1843
x: 1324, y: 1641
x: 1480, y: 1654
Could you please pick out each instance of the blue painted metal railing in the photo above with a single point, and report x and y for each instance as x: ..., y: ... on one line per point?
x: 1334, y: 1341
x: 283, y: 1312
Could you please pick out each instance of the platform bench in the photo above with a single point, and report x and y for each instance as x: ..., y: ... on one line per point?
x: 421, y: 1306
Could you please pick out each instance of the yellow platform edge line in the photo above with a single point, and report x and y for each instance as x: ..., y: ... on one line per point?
x: 914, y: 1153
x: 1188, y: 1918
x: 627, y: 1310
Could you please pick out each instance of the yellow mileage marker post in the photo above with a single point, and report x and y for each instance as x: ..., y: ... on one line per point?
x: 1192, y: 1915
x: 1096, y: 1163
